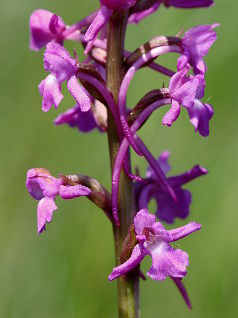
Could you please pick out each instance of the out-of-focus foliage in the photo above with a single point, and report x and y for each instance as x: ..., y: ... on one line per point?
x: 63, y: 273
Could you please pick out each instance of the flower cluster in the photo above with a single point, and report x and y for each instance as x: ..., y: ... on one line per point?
x: 87, y: 82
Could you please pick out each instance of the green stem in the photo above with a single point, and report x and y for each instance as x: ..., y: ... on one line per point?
x: 128, y: 286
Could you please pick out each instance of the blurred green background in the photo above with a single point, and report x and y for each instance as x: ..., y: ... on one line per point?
x: 63, y: 272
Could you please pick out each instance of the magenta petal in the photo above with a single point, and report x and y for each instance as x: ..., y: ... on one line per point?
x: 186, y: 93
x: 172, y: 114
x: 183, y: 231
x: 58, y: 61
x: 98, y: 23
x: 200, y: 115
x: 45, y: 210
x: 167, y: 262
x: 79, y: 93
x: 45, y: 27
x: 71, y: 192
x: 74, y: 117
x: 195, y: 172
x: 135, y: 259
x: 41, y: 184
x: 167, y: 209
x: 179, y: 78
x: 196, y: 43
x: 50, y: 89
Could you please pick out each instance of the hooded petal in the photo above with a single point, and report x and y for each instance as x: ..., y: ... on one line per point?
x: 45, y: 26
x: 79, y: 93
x: 71, y: 192
x: 196, y: 43
x: 185, y: 94
x: 135, y: 259
x: 143, y: 219
x: 50, y: 90
x: 58, y: 61
x: 45, y: 210
x: 40, y: 183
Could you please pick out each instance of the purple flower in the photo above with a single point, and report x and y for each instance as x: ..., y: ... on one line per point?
x: 153, y: 240
x: 96, y: 117
x: 187, y: 90
x: 74, y: 117
x: 45, y: 26
x: 167, y: 209
x: 44, y: 188
x: 58, y: 61
x: 196, y: 44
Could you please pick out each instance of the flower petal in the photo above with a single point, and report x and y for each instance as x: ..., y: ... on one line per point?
x: 200, y: 115
x: 74, y: 117
x: 135, y: 259
x: 167, y: 262
x: 41, y: 184
x: 50, y: 89
x: 41, y: 23
x: 45, y: 210
x: 168, y: 210
x: 143, y: 219
x: 79, y: 93
x: 172, y: 114
x: 186, y: 93
x: 96, y: 26
x: 71, y: 192
x: 183, y: 231
x: 58, y: 61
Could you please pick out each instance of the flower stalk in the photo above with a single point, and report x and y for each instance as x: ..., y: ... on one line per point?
x: 128, y: 285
